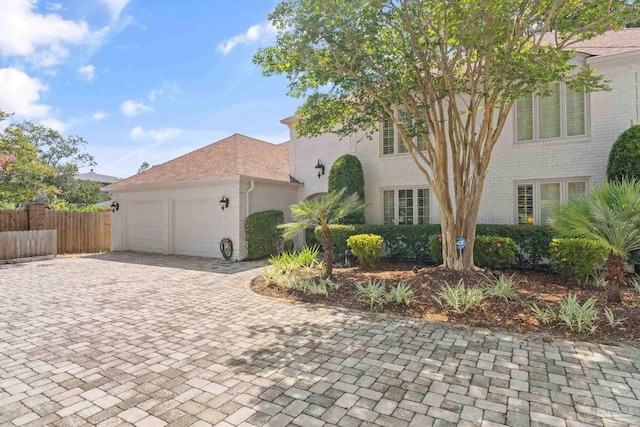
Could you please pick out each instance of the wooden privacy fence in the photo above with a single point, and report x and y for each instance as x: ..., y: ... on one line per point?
x: 77, y: 232
x: 14, y: 221
x: 16, y: 245
x: 80, y: 232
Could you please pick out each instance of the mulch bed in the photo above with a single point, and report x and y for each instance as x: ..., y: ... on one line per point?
x: 515, y: 315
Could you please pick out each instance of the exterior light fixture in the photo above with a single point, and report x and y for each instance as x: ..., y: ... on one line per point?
x: 320, y: 168
x: 115, y: 206
x: 224, y: 202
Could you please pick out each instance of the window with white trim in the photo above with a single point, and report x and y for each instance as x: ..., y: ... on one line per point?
x: 562, y: 114
x: 391, y: 141
x: 406, y: 206
x: 536, y: 200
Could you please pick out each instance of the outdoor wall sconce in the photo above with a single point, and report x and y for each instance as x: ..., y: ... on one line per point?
x: 115, y: 206
x: 224, y: 202
x: 320, y: 168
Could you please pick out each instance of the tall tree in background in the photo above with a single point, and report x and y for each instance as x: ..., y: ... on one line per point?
x: 455, y: 67
x: 144, y: 166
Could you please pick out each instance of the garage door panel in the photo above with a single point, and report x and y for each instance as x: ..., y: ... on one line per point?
x: 145, y: 228
x: 194, y: 224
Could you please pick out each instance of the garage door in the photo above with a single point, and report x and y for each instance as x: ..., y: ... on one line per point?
x: 194, y: 227
x: 144, y: 231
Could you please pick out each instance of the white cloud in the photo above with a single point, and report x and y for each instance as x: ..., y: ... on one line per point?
x: 168, y: 89
x: 99, y: 115
x: 255, y: 34
x: 20, y: 94
x: 163, y: 134
x: 42, y: 39
x: 88, y: 72
x: 132, y: 108
x: 54, y: 6
x: 54, y: 124
x: 115, y: 7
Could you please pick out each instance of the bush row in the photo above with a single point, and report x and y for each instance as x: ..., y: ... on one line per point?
x: 411, y: 241
x: 262, y: 233
x: 488, y: 251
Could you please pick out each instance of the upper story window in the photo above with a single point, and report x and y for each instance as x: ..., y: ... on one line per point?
x: 536, y: 200
x: 391, y: 141
x: 406, y: 206
x: 561, y: 114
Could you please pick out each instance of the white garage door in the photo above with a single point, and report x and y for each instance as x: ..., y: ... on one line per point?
x: 144, y: 232
x: 194, y: 227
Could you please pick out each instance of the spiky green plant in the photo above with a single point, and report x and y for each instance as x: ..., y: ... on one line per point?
x: 374, y: 291
x: 504, y: 287
x: 459, y: 297
x: 401, y: 294
x: 322, y: 211
x: 610, y: 215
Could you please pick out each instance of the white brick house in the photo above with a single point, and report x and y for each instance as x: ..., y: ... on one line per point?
x: 551, y: 148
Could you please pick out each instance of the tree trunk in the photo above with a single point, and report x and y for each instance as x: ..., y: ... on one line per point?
x: 329, y: 256
x: 615, y: 270
x: 463, y: 224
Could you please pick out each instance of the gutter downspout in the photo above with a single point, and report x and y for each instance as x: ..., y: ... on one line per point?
x: 247, y: 210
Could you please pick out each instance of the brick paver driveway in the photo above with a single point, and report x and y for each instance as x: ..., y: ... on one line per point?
x: 126, y: 339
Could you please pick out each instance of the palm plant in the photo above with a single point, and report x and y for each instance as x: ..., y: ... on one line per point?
x: 610, y: 215
x: 323, y: 211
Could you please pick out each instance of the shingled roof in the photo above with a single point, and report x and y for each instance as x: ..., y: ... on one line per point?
x: 235, y: 155
x: 609, y: 43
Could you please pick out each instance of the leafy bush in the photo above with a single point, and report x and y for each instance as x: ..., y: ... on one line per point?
x: 459, y: 297
x: 532, y: 241
x: 624, y: 158
x: 366, y: 247
x: 401, y: 294
x: 576, y: 258
x: 578, y: 317
x: 504, y: 287
x: 544, y: 315
x: 263, y: 236
x: 291, y: 261
x: 488, y: 251
x: 374, y: 292
x: 346, y: 172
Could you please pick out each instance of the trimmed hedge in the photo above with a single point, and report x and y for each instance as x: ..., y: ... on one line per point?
x: 488, y: 251
x: 262, y: 233
x: 366, y: 247
x: 576, y: 258
x: 346, y: 172
x: 412, y: 241
x: 624, y: 158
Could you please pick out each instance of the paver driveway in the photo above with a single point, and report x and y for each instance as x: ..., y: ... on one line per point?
x: 148, y: 340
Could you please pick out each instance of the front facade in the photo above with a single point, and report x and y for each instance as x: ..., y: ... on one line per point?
x: 551, y: 149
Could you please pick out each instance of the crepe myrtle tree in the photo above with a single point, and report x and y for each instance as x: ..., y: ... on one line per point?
x: 455, y: 67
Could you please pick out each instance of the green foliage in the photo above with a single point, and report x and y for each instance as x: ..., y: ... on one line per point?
x: 346, y: 172
x: 597, y: 281
x: 460, y: 298
x: 401, y: 294
x: 83, y: 193
x: 291, y: 261
x: 611, y: 319
x: 609, y: 214
x: 624, y: 158
x: 544, y: 315
x: 63, y: 205
x: 373, y: 292
x: 262, y: 233
x: 413, y: 241
x: 576, y: 258
x: 489, y: 251
x: 635, y: 283
x: 504, y: 287
x: 578, y: 317
x: 366, y: 247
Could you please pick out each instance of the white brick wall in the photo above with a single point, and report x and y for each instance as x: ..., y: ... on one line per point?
x: 610, y: 114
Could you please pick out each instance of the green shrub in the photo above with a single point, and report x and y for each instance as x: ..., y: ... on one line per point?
x: 412, y: 241
x: 373, y: 292
x: 488, y: 251
x: 459, y: 298
x: 624, y: 158
x: 401, y: 294
x: 262, y: 233
x: 291, y: 261
x: 346, y: 172
x: 504, y: 287
x: 578, y: 317
x: 366, y: 247
x: 576, y: 258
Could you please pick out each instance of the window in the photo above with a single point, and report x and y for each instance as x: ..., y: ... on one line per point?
x: 406, y: 206
x: 391, y: 141
x: 561, y: 114
x: 537, y: 200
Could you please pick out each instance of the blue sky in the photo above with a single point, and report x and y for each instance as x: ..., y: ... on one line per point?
x: 141, y: 80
